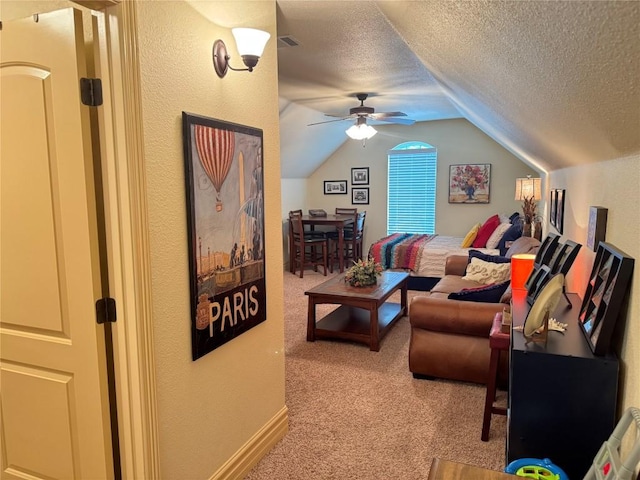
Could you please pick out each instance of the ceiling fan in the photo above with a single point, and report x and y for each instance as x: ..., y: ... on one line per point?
x: 361, y: 113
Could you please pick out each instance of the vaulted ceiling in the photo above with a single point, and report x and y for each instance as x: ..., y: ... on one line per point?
x: 555, y: 82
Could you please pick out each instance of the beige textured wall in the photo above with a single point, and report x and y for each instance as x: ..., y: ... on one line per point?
x: 14, y: 9
x: 294, y: 197
x: 209, y: 408
x: 614, y: 185
x: 457, y: 141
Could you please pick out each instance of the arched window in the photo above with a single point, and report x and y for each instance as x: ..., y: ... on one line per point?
x: 411, y: 200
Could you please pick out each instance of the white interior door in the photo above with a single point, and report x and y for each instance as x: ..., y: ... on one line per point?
x: 53, y: 388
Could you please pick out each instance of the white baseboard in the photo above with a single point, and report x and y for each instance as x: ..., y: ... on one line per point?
x: 248, y: 456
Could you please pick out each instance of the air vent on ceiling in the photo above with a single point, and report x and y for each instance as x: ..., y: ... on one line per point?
x: 286, y: 41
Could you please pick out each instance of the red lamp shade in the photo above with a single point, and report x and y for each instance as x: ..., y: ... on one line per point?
x: 521, y: 268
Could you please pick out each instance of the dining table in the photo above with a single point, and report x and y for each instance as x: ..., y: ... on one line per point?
x: 337, y: 221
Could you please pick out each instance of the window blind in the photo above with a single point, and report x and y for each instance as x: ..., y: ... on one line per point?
x: 411, y: 201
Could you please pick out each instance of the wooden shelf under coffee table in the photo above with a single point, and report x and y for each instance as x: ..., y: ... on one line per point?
x: 364, y: 314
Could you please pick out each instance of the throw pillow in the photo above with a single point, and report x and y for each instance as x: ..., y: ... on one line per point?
x: 485, y: 231
x: 497, y: 234
x: 489, y: 293
x: 471, y: 236
x: 485, y: 257
x: 487, y: 272
x: 513, y: 233
x: 514, y: 218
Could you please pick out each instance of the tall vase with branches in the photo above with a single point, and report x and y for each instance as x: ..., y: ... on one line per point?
x: 529, y: 210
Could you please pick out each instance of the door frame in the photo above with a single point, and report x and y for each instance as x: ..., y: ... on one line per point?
x: 127, y: 235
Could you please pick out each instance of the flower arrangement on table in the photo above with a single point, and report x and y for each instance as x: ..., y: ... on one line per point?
x: 363, y: 273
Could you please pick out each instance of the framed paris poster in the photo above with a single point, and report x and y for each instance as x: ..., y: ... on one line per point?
x: 225, y: 221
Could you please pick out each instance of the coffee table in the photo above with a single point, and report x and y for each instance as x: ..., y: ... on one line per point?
x: 364, y: 314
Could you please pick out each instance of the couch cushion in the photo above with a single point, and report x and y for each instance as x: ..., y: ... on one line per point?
x: 488, y: 293
x: 523, y: 245
x: 485, y: 257
x: 506, y: 296
x: 438, y: 314
x: 487, y: 272
x: 453, y: 283
x: 485, y: 231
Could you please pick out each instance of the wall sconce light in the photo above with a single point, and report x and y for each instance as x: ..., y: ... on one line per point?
x: 361, y: 131
x: 250, y: 43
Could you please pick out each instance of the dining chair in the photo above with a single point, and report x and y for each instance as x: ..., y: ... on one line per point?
x: 346, y: 211
x: 308, y: 234
x: 352, y: 244
x: 304, y: 247
x: 349, y: 229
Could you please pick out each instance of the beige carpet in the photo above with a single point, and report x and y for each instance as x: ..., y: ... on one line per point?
x: 357, y: 414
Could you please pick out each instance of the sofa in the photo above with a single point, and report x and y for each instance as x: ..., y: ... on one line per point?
x: 450, y: 337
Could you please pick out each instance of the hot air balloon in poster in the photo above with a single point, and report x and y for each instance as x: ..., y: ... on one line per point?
x: 215, y: 150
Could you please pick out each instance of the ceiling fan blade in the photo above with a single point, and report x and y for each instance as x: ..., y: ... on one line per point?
x: 339, y: 116
x: 401, y: 121
x: 380, y: 115
x: 329, y: 121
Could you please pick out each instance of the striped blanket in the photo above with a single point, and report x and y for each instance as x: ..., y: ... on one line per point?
x: 400, y: 250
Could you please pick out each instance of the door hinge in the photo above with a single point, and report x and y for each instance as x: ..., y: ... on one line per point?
x: 91, y: 91
x: 106, y: 310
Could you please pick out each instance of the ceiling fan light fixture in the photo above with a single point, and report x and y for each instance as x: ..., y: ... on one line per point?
x: 361, y: 131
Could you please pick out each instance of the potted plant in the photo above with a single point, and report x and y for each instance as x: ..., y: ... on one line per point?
x: 363, y: 273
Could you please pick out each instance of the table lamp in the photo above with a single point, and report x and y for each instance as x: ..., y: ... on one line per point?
x: 521, y: 268
x: 529, y: 191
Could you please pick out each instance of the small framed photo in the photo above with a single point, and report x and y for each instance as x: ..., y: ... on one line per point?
x: 559, y: 210
x: 335, y: 187
x: 360, y: 176
x: 597, y: 227
x: 360, y: 196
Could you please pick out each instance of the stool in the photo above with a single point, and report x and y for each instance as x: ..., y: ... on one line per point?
x: 498, y: 342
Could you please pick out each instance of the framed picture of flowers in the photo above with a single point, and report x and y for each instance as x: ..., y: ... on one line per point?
x: 469, y: 183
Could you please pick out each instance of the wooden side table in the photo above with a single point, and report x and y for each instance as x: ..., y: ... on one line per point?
x: 498, y: 342
x: 446, y: 470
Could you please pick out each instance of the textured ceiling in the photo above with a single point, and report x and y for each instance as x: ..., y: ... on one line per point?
x: 555, y: 82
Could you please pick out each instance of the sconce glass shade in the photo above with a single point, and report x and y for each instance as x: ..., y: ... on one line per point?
x: 528, y: 188
x: 250, y: 44
x: 521, y: 268
x: 361, y: 131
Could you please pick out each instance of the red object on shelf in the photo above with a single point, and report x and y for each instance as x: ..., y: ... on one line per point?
x: 521, y: 268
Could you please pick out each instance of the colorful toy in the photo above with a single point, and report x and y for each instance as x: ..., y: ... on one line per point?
x: 537, y: 469
x: 608, y: 464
